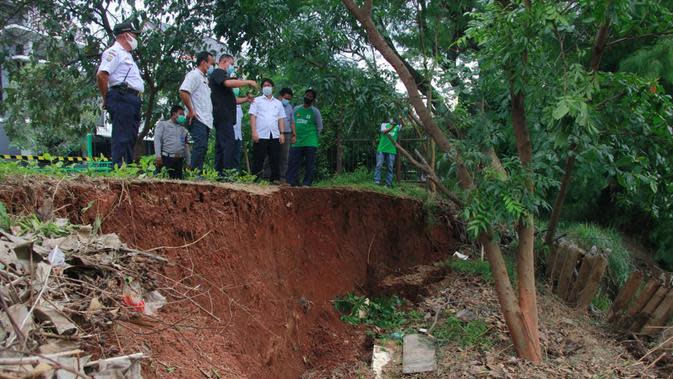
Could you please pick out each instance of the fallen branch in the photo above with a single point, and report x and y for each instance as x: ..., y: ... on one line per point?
x: 35, y: 359
x: 425, y: 167
x: 16, y: 327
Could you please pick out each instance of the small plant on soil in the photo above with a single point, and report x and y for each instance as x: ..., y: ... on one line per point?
x: 465, y: 334
x: 382, y: 313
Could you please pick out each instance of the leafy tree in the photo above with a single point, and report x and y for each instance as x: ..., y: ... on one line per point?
x: 173, y: 31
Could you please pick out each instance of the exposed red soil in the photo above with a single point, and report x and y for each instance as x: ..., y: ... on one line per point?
x: 265, y: 265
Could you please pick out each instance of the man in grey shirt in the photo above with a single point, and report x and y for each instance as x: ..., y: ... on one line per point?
x: 170, y: 143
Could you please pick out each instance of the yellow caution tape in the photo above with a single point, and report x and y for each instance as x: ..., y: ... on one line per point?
x: 51, y: 159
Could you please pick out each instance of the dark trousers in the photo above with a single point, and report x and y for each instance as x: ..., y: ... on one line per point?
x: 199, y: 132
x: 238, y: 149
x: 266, y: 147
x: 124, y: 110
x: 173, y: 166
x: 224, y: 144
x: 299, y: 155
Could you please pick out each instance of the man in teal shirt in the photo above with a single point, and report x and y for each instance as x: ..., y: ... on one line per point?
x: 386, y: 152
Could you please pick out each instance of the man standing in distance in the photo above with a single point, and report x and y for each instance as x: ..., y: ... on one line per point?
x: 222, y: 82
x: 195, y: 94
x: 305, y: 131
x: 285, y: 98
x: 267, y: 121
x: 120, y: 84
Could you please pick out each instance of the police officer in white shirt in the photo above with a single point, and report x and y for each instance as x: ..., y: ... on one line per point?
x: 267, y: 120
x: 120, y: 84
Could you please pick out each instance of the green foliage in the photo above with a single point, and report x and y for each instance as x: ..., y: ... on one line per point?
x: 383, y: 313
x: 5, y: 220
x: 38, y: 119
x: 51, y: 229
x: 620, y: 262
x: 463, y: 334
x: 602, y: 301
x: 480, y: 268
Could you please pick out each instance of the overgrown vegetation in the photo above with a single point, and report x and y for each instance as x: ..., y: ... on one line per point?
x: 608, y: 241
x: 388, y: 321
x: 382, y: 313
x: 464, y: 334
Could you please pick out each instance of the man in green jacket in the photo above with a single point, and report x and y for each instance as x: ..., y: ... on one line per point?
x: 386, y: 152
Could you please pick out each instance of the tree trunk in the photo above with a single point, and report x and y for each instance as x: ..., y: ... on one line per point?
x: 339, y: 150
x: 555, y: 217
x: 524, y: 338
x: 147, y: 126
x: 594, y: 64
x: 522, y: 328
x: 526, y: 232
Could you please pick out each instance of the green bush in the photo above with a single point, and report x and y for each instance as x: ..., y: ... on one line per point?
x: 383, y: 313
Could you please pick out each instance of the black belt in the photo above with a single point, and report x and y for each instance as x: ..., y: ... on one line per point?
x: 124, y: 89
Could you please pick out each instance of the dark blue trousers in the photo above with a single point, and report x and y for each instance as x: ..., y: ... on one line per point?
x: 124, y: 110
x: 225, y: 144
x: 238, y: 149
x: 299, y: 155
x: 199, y: 132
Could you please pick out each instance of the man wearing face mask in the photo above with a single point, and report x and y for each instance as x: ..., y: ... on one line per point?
x: 306, y: 128
x: 285, y: 96
x: 119, y: 81
x: 170, y: 143
x: 267, y: 121
x: 222, y: 82
x: 195, y: 94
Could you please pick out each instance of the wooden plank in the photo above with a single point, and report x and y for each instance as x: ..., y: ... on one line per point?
x: 644, y: 315
x: 593, y: 282
x: 561, y: 250
x: 566, y: 276
x: 586, y: 266
x: 551, y: 261
x: 660, y: 315
x: 625, y: 296
x: 643, y: 297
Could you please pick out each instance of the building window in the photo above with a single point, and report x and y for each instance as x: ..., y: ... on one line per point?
x: 18, y: 50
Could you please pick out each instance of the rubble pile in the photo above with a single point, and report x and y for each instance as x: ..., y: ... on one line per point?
x: 63, y: 287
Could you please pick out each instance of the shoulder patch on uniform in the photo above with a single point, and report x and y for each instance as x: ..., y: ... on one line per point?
x: 110, y: 57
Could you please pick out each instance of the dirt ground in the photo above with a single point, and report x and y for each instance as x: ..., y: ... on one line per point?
x: 575, y: 344
x: 252, y: 270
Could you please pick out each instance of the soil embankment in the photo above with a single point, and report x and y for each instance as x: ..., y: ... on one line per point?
x: 258, y: 267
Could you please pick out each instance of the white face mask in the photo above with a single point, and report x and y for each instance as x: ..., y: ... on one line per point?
x: 133, y: 42
x: 267, y: 91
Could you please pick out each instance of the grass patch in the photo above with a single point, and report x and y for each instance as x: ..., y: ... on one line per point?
x: 464, y: 334
x: 601, y: 301
x: 620, y: 263
x: 480, y: 268
x: 364, y: 179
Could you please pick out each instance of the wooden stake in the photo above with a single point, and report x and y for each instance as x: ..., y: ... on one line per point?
x: 660, y: 316
x: 625, y: 296
x: 593, y: 282
x: 566, y: 275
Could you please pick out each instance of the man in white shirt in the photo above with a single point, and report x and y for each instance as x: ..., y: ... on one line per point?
x: 195, y: 94
x: 267, y: 118
x: 120, y: 84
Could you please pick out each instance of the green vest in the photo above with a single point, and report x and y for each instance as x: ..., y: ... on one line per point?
x: 306, y: 127
x: 385, y: 146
